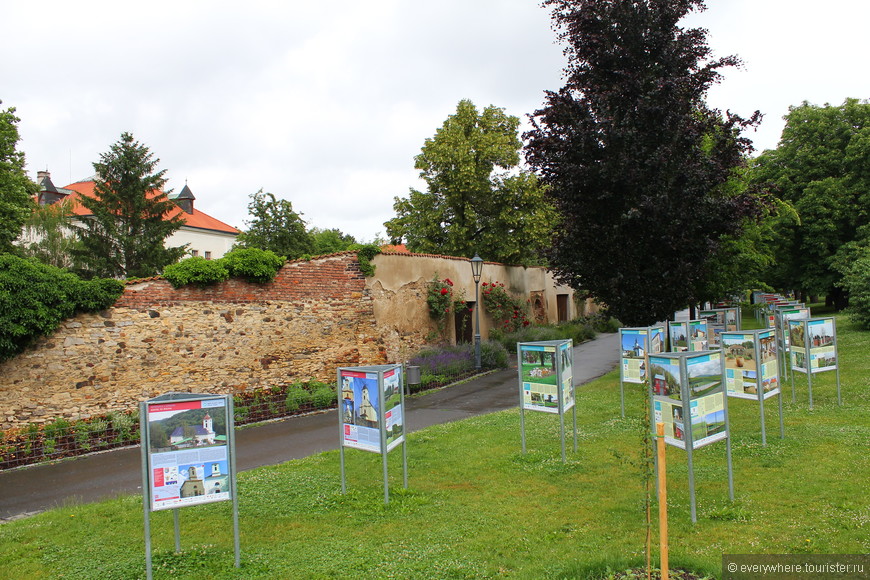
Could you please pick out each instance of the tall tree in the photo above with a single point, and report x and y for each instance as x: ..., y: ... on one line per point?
x: 477, y: 200
x: 329, y: 241
x: 634, y: 159
x: 126, y: 234
x: 275, y: 227
x: 16, y: 190
x: 822, y: 167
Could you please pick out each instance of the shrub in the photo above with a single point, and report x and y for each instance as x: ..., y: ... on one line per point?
x: 124, y: 424
x: 97, y: 294
x: 603, y: 322
x: 445, y: 360
x: 854, y: 264
x: 364, y: 255
x: 508, y: 312
x: 493, y: 355
x: 56, y: 429
x: 35, y: 298
x: 82, y: 436
x: 323, y: 396
x: 197, y: 271
x: 296, y: 397
x: 98, y: 429
x: 253, y: 264
x: 442, y: 300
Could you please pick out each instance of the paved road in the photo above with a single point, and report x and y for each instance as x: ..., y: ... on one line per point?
x: 99, y: 476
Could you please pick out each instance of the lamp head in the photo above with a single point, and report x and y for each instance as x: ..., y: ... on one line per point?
x: 476, y: 267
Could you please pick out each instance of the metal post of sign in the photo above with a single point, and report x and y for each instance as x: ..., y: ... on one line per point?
x: 382, y: 422
x: 386, y: 478
x: 341, y: 462
x: 404, y: 465
x: 652, y: 422
x: 231, y: 441
x: 560, y: 385
x: 728, y: 442
x: 781, y: 424
x: 574, y: 412
x: 837, y: 358
x: 404, y: 441
x: 759, y: 384
x: 621, y: 398
x: 146, y: 503
x: 177, y: 526
x: 688, y: 435
x: 809, y: 378
x: 522, y: 404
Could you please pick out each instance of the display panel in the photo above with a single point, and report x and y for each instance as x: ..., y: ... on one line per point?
x: 188, y: 455
x: 693, y: 382
x: 706, y: 398
x: 634, y: 345
x: 361, y: 402
x: 546, y: 376
x: 394, y: 420
x: 813, y: 345
x: 679, y: 333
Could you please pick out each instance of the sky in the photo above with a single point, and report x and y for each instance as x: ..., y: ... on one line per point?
x: 326, y: 104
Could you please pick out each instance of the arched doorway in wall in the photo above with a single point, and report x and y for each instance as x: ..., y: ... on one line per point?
x: 539, y: 307
x: 463, y: 319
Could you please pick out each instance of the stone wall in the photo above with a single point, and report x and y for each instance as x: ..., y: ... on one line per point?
x: 314, y: 317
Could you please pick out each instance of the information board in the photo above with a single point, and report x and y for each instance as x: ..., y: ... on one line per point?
x: 546, y: 376
x: 372, y: 406
x: 188, y: 455
x: 751, y: 365
x: 813, y: 345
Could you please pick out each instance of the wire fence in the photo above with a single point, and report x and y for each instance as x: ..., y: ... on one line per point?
x: 438, y: 365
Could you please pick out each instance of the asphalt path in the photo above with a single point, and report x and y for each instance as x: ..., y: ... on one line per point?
x: 90, y: 478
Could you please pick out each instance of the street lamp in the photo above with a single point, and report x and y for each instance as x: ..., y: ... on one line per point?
x: 476, y: 270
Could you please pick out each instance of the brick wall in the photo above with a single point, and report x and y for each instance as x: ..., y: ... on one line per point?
x: 314, y: 317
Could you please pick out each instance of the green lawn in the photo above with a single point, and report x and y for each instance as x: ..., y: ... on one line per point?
x: 477, y: 507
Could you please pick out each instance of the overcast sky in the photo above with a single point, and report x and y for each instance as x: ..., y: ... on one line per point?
x: 327, y: 103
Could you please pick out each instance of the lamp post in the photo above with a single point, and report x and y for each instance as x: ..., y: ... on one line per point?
x: 476, y: 270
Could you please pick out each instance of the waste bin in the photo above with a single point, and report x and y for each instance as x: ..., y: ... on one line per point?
x: 412, y: 376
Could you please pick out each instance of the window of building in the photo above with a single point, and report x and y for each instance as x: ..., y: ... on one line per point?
x: 194, y: 253
x: 208, y: 255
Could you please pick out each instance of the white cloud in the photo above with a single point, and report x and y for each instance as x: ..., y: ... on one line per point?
x: 326, y: 104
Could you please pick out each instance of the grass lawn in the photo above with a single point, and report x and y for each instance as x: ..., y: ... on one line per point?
x: 477, y: 507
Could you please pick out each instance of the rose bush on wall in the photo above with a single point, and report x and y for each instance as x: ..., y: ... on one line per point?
x: 508, y: 312
x: 443, y: 300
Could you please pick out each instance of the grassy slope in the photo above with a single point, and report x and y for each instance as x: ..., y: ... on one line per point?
x: 477, y: 507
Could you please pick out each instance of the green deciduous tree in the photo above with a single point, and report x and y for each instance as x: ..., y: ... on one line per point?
x: 16, y: 190
x: 275, y: 227
x: 126, y: 235
x: 822, y: 167
x: 477, y: 200
x: 329, y: 241
x: 49, y: 235
x: 635, y: 161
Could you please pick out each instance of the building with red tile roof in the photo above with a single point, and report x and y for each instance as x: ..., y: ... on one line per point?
x: 206, y: 236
